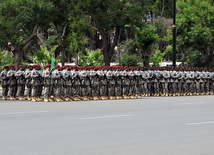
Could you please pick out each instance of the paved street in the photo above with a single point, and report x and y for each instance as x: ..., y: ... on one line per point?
x: 148, y: 126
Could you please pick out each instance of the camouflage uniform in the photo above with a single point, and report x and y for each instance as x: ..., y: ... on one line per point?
x: 95, y: 83
x: 12, y: 82
x: 103, y: 84
x: 46, y: 74
x: 56, y: 83
x: 28, y: 81
x: 111, y: 84
x: 131, y: 77
x: 20, y: 76
x: 35, y: 83
x: 118, y: 84
x: 5, y: 83
x: 75, y: 89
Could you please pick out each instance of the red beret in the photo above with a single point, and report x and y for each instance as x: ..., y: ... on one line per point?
x: 12, y: 66
x: 28, y: 66
x: 34, y: 66
x: 56, y: 66
x: 20, y: 66
x: 6, y: 66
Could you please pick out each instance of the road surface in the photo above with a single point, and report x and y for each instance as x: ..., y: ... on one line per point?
x: 147, y: 126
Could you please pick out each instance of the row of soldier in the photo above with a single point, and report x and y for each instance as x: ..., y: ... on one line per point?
x: 103, y: 82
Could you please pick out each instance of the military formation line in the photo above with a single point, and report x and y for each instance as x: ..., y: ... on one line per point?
x: 69, y: 83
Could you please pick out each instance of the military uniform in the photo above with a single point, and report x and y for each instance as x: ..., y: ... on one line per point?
x: 46, y: 75
x: 28, y: 81
x: 20, y: 76
x: 118, y: 83
x: 5, y: 82
x: 103, y: 83
x: 75, y: 89
x: 35, y: 84
x: 12, y: 82
x: 95, y: 83
x: 56, y: 83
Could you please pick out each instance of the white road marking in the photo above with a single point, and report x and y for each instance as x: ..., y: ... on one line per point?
x: 190, y: 103
x: 27, y: 112
x: 115, y: 116
x: 201, y: 123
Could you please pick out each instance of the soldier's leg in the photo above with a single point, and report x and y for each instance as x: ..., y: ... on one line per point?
x: 4, y: 92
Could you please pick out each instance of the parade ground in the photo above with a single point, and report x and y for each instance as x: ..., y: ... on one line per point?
x: 147, y: 126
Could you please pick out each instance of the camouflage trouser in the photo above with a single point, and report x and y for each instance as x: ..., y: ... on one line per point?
x: 88, y: 90
x: 56, y: 91
x: 145, y: 87
x: 137, y: 88
x: 5, y: 90
x: 103, y: 90
x: 118, y: 90
x: 34, y: 92
x: 95, y: 90
x: 39, y: 90
x: 111, y: 90
x: 201, y: 87
x: 197, y: 86
x: 66, y: 91
x: 83, y: 91
x: 156, y: 87
x: 13, y: 90
x: 132, y: 90
x: 29, y: 89
x: 76, y: 91
x: 165, y: 87
x: 21, y: 90
x: 47, y: 91
x: 126, y: 89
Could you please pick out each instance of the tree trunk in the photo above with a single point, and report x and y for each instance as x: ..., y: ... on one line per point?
x: 107, y: 58
x: 210, y: 58
x: 17, y: 57
x: 63, y: 54
x: 182, y: 55
x: 145, y: 57
x: 76, y: 59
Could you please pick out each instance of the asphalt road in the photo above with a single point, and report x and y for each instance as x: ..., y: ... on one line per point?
x: 148, y: 126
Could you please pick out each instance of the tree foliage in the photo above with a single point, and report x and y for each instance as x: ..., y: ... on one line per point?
x: 91, y: 58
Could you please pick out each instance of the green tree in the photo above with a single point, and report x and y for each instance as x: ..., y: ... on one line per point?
x: 157, y: 57
x: 145, y: 37
x: 92, y: 58
x: 195, y: 30
x: 43, y: 56
x: 130, y: 60
x: 112, y: 16
x: 6, y: 58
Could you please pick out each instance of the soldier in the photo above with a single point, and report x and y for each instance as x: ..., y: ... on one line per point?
x: 197, y: 81
x: 165, y: 82
x: 118, y: 83
x: 88, y: 82
x: 156, y: 81
x: 20, y: 76
x: 35, y: 84
x: 28, y: 81
x: 12, y: 82
x: 144, y: 78
x: 83, y: 83
x: 40, y: 83
x: 125, y: 82
x: 46, y: 74
x: 103, y: 83
x: 111, y: 83
x: 5, y: 82
x: 202, y: 81
x: 174, y: 81
x: 56, y: 83
x: 66, y: 82
x: 95, y: 83
x: 131, y: 77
